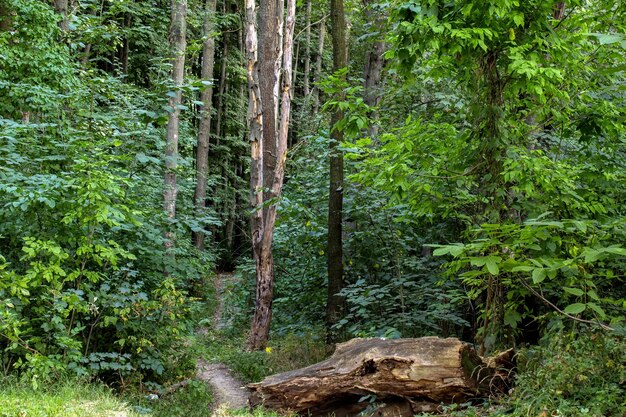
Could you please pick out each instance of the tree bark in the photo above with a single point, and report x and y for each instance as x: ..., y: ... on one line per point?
x: 222, y: 90
x: 125, y: 45
x: 204, y: 129
x: 372, y: 73
x: 267, y: 172
x: 415, y: 375
x: 334, y: 304
x: 318, y: 66
x: 178, y: 46
x: 307, y: 51
x: 6, y: 17
x: 270, y: 27
x: 61, y: 8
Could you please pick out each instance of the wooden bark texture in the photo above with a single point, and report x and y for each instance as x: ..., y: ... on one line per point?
x: 407, y: 375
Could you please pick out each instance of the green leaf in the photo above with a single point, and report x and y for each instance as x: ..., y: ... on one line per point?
x: 441, y: 251
x: 591, y: 255
x: 492, y: 265
x: 522, y: 268
x: 615, y: 250
x: 511, y: 318
x: 575, y: 308
x: 574, y: 291
x: 599, y: 311
x: 539, y: 274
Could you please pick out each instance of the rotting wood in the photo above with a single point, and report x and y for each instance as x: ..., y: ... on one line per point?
x: 404, y: 376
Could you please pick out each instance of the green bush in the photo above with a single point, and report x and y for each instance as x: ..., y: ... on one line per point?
x: 573, y: 375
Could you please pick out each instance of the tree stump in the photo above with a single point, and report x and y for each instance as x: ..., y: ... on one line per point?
x: 405, y: 376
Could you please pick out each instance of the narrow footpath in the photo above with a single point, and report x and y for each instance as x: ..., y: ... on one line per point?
x: 229, y: 392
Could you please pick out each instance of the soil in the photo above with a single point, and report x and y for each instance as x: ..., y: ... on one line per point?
x: 229, y: 392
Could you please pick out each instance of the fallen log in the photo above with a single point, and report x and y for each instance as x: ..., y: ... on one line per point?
x: 408, y: 376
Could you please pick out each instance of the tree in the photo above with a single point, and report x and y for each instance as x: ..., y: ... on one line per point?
x: 178, y: 44
x: 334, y: 305
x: 204, y: 130
x: 374, y: 62
x: 268, y: 144
x: 61, y: 8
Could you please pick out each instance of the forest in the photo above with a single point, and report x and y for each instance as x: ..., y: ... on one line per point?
x: 197, y: 187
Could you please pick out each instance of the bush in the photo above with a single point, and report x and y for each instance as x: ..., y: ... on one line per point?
x: 573, y: 375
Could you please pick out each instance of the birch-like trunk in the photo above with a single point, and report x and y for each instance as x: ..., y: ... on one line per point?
x: 178, y: 46
x: 318, y: 66
x: 307, y: 51
x: 204, y: 129
x: 267, y: 175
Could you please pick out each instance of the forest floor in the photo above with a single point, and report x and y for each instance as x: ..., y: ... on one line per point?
x: 228, y: 391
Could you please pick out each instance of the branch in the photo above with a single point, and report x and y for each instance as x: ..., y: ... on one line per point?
x: 311, y: 25
x: 546, y: 301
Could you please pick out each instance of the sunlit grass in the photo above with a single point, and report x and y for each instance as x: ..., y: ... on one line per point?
x: 69, y: 399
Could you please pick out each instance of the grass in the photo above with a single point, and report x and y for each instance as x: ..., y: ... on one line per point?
x: 69, y: 399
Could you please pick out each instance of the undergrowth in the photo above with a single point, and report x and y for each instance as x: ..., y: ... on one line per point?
x: 283, y: 353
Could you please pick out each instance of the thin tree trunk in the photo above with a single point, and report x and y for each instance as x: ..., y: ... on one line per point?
x: 295, y: 69
x: 307, y: 50
x: 372, y: 73
x: 222, y: 90
x: 61, y: 8
x: 559, y: 10
x: 264, y: 219
x: 125, y: 46
x: 334, y: 306
x: 318, y: 66
x: 204, y: 130
x: 178, y: 46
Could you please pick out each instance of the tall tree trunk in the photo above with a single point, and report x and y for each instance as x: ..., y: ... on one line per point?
x: 178, y: 46
x: 270, y: 28
x: 334, y: 306
x: 6, y: 17
x: 125, y: 45
x: 221, y: 102
x: 372, y: 73
x: 61, y: 8
x: 307, y: 50
x: 204, y: 130
x: 263, y: 171
x: 318, y: 66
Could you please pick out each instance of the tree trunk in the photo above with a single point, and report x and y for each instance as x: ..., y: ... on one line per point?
x: 178, y: 45
x: 204, y: 130
x: 270, y: 51
x: 318, y: 66
x: 307, y: 50
x: 334, y: 304
x: 125, y: 45
x: 267, y: 175
x: 6, y: 17
x: 559, y: 10
x: 413, y: 375
x: 372, y: 73
x: 61, y: 8
x: 221, y: 102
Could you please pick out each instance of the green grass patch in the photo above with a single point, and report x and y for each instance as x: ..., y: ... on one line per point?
x: 69, y: 399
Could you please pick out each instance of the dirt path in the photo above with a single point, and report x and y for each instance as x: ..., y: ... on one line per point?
x: 229, y: 392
